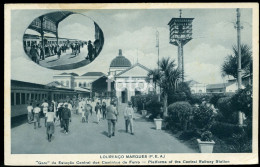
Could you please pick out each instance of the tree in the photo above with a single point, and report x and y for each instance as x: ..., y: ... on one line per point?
x: 154, y: 74
x: 166, y: 77
x: 230, y: 65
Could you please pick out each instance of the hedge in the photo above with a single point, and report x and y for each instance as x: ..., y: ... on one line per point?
x: 225, y: 130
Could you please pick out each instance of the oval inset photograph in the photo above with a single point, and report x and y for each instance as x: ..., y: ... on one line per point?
x: 63, y: 40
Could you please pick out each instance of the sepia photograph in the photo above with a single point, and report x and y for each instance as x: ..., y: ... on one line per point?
x: 133, y: 86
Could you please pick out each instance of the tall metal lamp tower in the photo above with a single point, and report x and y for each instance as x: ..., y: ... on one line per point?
x: 180, y: 34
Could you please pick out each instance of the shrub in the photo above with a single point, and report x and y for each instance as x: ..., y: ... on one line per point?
x: 224, y: 130
x: 182, y: 93
x: 248, y: 128
x: 203, y: 117
x: 225, y: 107
x: 197, y: 98
x: 214, y: 99
x: 242, y: 101
x: 154, y: 108
x: 187, y: 135
x: 206, y: 136
x: 240, y: 142
x: 177, y: 96
x: 180, y: 112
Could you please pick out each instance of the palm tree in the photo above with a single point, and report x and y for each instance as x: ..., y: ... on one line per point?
x: 166, y: 77
x: 154, y: 75
x: 230, y: 65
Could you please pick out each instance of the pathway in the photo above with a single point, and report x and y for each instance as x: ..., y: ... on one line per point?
x: 92, y: 138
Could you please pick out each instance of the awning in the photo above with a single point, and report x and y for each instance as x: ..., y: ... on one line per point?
x: 82, y: 89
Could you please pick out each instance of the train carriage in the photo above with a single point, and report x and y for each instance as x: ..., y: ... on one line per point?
x: 22, y: 93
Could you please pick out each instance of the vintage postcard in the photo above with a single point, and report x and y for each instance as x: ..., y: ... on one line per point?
x: 131, y: 84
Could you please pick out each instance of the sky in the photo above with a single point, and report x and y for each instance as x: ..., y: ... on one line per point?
x: 134, y: 31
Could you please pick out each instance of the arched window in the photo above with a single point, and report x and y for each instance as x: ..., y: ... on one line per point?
x: 84, y: 84
x: 62, y: 83
x: 80, y: 84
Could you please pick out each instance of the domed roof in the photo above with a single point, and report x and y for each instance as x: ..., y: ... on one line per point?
x: 120, y: 61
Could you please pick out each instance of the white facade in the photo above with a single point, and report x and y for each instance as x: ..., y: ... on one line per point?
x: 116, y: 70
x: 196, y: 87
x: 65, y: 80
x: 131, y: 82
x: 232, y: 87
x: 72, y: 82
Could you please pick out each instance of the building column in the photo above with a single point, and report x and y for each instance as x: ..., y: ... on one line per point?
x: 57, y: 36
x: 42, y: 36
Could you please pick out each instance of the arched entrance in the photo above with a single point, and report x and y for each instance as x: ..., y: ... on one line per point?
x: 124, y: 96
x: 137, y: 92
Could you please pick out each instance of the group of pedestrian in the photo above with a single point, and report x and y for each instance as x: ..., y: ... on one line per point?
x: 62, y: 112
x: 75, y: 48
x: 86, y: 107
x: 52, y: 113
x: 55, y: 49
x: 36, y: 53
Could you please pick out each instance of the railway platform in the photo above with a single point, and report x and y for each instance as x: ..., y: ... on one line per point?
x: 91, y: 138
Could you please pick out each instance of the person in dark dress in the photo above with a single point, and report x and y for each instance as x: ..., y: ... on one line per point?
x: 104, y: 110
x: 58, y: 51
x: 41, y: 53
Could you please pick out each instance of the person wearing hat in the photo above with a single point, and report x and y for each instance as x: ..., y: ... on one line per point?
x: 112, y: 114
x: 90, y: 51
x: 129, y: 116
x: 66, y: 116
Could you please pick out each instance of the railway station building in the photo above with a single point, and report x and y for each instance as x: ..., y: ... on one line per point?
x: 130, y: 80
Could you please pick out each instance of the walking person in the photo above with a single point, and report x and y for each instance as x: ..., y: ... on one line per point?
x: 129, y: 116
x: 112, y: 114
x: 90, y: 51
x: 50, y: 115
x: 30, y: 113
x: 83, y: 115
x: 87, y: 110
x: 104, y: 109
x: 66, y: 117
x: 79, y: 47
x: 36, y: 112
x: 41, y: 54
x: 45, y: 106
x: 81, y: 105
x: 92, y: 103
x: 58, y: 50
x: 59, y: 114
x: 97, y: 109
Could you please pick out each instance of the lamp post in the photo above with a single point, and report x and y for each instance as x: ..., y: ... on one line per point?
x: 157, y: 45
x: 239, y: 79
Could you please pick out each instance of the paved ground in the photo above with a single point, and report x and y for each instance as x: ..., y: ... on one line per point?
x: 66, y: 59
x: 92, y: 138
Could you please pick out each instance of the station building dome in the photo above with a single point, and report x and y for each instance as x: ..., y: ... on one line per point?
x: 120, y: 61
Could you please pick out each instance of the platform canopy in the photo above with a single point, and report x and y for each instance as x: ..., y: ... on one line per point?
x: 49, y: 21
